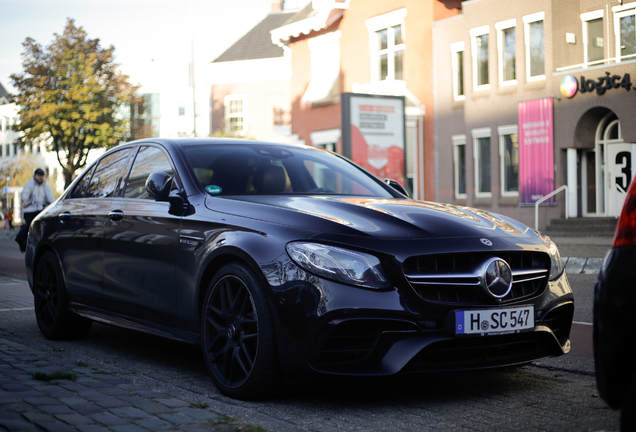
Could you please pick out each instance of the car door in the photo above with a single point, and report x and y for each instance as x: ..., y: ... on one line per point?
x: 140, y: 245
x: 80, y: 227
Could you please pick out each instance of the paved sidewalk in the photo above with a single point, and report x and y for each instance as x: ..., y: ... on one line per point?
x: 85, y: 399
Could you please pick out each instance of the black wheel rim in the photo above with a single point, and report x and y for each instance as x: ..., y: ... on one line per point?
x: 46, y: 294
x: 231, y: 332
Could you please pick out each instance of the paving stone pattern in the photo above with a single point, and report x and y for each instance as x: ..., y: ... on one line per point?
x: 15, y: 294
x: 94, y: 402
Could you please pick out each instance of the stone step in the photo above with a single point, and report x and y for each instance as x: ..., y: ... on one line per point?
x: 582, y: 227
x: 556, y: 233
x: 584, y: 222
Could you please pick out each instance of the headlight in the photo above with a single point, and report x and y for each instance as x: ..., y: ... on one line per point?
x: 341, y: 265
x: 556, y: 265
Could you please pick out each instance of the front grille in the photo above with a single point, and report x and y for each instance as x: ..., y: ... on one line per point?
x: 352, y: 341
x: 456, y: 278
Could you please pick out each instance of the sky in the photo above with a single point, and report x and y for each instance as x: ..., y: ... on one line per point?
x: 145, y: 33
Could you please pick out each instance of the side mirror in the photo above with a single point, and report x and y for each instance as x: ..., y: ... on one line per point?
x: 158, y: 186
x: 397, y: 186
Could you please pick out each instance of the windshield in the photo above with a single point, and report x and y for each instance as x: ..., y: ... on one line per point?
x: 244, y: 169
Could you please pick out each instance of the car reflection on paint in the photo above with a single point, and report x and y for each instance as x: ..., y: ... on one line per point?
x: 290, y: 259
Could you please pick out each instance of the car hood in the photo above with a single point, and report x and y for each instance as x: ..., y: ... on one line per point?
x: 377, y: 217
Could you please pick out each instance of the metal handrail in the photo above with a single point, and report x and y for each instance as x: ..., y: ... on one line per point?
x: 550, y: 195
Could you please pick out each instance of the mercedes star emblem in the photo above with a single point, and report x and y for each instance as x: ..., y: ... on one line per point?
x: 497, y: 277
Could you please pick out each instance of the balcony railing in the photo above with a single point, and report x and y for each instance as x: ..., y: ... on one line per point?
x: 615, y: 60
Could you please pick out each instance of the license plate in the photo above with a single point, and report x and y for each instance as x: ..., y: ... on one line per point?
x: 494, y: 321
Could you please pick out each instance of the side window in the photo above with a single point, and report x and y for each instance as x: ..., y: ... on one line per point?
x: 82, y: 185
x: 106, y: 182
x: 148, y: 160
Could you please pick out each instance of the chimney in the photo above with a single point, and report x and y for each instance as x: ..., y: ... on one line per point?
x: 277, y: 5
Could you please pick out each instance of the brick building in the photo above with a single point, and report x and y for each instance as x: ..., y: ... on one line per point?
x: 532, y: 96
x: 374, y: 47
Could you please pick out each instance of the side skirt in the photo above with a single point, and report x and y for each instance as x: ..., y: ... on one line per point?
x: 152, y: 328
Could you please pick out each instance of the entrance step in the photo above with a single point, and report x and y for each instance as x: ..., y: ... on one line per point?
x: 582, y: 227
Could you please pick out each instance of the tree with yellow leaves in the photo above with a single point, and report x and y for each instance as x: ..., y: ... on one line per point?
x: 72, y: 97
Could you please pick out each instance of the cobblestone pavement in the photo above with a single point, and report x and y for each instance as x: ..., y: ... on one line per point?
x: 86, y: 400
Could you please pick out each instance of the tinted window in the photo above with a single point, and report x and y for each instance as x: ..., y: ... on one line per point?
x: 106, y: 182
x: 240, y: 169
x: 148, y: 160
x: 82, y: 184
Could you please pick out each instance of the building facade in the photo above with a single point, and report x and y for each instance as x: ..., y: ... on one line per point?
x: 371, y: 47
x: 533, y: 96
x: 250, y: 84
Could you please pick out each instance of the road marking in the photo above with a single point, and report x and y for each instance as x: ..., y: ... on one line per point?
x: 16, y: 309
x: 582, y: 323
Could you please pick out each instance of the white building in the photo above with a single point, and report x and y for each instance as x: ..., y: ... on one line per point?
x: 251, y: 84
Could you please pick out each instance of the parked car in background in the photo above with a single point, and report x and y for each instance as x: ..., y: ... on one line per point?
x: 614, y: 328
x: 281, y: 259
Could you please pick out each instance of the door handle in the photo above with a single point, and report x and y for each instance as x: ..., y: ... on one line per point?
x: 64, y: 217
x: 116, y: 215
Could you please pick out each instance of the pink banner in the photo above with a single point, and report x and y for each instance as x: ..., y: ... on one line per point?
x: 536, y: 150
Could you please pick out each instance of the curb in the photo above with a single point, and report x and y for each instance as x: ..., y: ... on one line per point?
x: 574, y: 265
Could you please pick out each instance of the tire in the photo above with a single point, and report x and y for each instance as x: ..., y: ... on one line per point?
x: 51, y: 302
x: 238, y: 336
x: 628, y: 410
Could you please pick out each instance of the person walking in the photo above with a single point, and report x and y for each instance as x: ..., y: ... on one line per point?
x: 36, y: 195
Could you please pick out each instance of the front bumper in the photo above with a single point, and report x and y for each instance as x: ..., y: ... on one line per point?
x: 332, y: 328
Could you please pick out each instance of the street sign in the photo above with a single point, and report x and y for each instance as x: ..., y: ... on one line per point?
x: 11, y: 189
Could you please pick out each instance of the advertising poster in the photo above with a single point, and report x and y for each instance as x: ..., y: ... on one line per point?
x: 373, y: 133
x: 536, y: 150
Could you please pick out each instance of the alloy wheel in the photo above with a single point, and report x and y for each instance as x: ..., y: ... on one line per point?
x: 231, y: 331
x: 46, y: 294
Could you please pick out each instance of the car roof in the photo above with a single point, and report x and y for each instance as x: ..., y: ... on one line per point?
x: 186, y: 142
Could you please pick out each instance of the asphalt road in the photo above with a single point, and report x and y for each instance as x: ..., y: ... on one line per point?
x: 555, y: 394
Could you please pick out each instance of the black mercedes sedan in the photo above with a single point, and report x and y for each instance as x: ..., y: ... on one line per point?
x: 284, y: 260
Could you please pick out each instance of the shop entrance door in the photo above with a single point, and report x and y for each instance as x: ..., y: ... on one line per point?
x: 620, y: 164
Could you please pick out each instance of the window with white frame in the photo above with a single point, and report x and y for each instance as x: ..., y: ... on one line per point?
x: 625, y: 31
x: 457, y: 66
x: 535, y: 46
x: 481, y: 156
x: 324, y: 86
x: 506, y: 44
x: 479, y: 39
x: 236, y: 114
x: 459, y: 165
x: 387, y: 42
x: 593, y: 40
x: 509, y: 157
x: 326, y: 139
